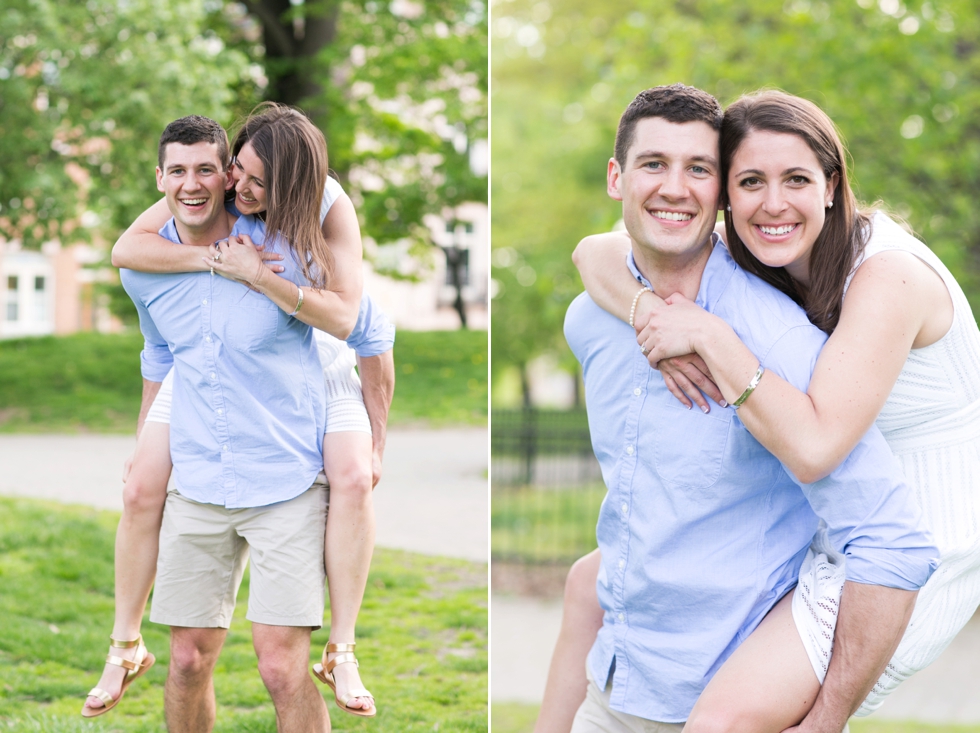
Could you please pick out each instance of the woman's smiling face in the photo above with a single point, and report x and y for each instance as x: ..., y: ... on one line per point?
x: 249, y: 175
x: 779, y: 196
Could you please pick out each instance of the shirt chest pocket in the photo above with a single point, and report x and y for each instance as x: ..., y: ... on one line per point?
x: 688, y: 445
x: 251, y: 321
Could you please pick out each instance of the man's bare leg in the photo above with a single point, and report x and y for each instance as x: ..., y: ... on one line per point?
x: 137, y: 541
x: 349, y: 544
x: 580, y: 622
x: 284, y: 655
x: 188, y: 698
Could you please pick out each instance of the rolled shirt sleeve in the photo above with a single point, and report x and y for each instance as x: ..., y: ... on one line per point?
x: 373, y: 333
x: 156, y: 358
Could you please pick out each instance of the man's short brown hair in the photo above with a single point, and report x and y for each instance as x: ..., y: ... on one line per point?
x: 676, y: 103
x: 191, y: 130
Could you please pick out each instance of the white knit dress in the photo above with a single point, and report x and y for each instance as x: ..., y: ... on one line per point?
x: 931, y: 420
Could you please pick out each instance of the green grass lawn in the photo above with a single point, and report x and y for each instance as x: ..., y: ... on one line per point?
x: 422, y: 637
x: 519, y: 718
x: 544, y: 525
x: 91, y: 382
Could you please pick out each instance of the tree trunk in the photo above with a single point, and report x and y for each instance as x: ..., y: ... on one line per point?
x: 291, y: 48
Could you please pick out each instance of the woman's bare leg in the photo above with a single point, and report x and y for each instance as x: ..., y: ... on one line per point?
x: 137, y: 542
x: 580, y: 622
x: 766, y: 686
x: 349, y: 542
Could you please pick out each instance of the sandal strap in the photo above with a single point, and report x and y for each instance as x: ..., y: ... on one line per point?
x: 340, y: 647
x: 102, y: 695
x: 129, y: 664
x: 120, y: 644
x: 340, y: 659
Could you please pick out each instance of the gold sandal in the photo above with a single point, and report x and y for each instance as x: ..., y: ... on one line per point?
x: 137, y: 668
x: 324, y: 672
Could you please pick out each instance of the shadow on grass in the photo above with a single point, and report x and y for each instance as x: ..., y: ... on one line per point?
x: 422, y: 637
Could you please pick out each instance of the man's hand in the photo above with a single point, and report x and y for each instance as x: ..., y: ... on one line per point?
x: 687, y: 377
x: 378, y: 386
x: 128, y: 466
x: 376, y: 456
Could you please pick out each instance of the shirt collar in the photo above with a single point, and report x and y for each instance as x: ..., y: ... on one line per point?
x: 717, y: 272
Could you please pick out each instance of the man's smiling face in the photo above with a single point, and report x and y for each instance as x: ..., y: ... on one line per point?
x: 194, y: 182
x: 669, y: 186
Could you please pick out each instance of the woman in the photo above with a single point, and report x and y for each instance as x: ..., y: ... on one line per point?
x: 904, y: 351
x: 279, y: 166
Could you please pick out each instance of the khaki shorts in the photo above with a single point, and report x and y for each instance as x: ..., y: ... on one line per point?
x: 204, y: 549
x: 595, y: 716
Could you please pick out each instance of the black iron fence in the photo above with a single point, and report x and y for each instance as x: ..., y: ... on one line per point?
x: 541, y: 448
x: 546, y: 486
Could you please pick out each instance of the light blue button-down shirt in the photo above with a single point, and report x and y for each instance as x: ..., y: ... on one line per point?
x: 702, y: 529
x: 248, y: 409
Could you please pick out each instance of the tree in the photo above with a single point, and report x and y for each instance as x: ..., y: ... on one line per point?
x: 85, y: 90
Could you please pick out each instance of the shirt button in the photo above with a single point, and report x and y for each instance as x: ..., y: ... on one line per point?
x: 208, y: 339
x: 637, y: 391
x: 221, y: 411
x: 625, y: 508
x: 212, y: 375
x: 224, y: 447
x: 622, y: 564
x: 629, y: 449
x: 204, y: 302
x: 621, y: 618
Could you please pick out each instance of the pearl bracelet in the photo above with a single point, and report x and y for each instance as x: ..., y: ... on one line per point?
x: 636, y: 299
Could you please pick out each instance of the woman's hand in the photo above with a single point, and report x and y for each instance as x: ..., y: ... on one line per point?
x: 687, y: 377
x: 673, y: 330
x: 237, y: 258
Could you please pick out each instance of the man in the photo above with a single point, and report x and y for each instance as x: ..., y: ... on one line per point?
x: 702, y: 530
x: 247, y: 426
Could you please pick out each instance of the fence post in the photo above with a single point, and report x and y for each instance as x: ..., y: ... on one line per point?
x: 529, y: 439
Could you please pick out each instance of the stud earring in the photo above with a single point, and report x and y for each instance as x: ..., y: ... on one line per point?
x: 830, y: 205
x: 728, y: 208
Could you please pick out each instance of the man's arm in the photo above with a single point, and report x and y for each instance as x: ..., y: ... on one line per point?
x: 150, y: 391
x: 378, y: 385
x: 870, y: 625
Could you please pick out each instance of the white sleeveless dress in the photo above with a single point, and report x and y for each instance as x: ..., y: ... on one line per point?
x: 931, y: 421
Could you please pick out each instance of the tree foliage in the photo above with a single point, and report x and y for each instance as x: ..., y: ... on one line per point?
x: 900, y: 79
x: 86, y: 89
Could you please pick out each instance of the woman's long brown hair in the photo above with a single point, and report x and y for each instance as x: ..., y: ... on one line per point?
x: 847, y: 226
x: 294, y: 154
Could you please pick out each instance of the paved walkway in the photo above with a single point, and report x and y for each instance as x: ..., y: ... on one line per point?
x: 432, y: 498
x: 524, y: 630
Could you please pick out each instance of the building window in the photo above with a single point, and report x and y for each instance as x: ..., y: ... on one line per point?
x: 40, y: 299
x: 13, y: 313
